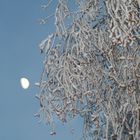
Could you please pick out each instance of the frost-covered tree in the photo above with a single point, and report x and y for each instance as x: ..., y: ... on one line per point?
x: 92, y: 68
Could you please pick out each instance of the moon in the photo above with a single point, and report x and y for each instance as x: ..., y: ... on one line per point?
x: 24, y: 83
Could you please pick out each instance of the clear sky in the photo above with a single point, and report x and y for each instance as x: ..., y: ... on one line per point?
x: 20, y: 35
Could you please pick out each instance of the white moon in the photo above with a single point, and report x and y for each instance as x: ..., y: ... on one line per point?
x: 24, y: 83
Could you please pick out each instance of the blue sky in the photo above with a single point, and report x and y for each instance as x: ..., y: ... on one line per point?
x: 20, y: 35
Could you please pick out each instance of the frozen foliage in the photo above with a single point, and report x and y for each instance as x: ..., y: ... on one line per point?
x: 92, y: 68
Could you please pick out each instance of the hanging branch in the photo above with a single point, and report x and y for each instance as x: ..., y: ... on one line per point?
x: 92, y: 68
